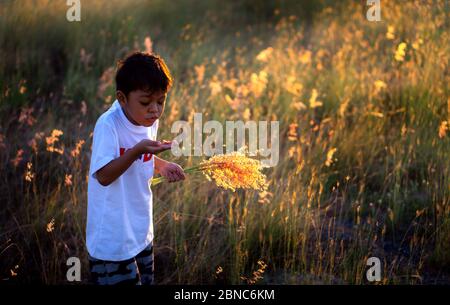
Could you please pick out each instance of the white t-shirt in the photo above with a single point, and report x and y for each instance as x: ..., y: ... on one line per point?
x: 119, y: 216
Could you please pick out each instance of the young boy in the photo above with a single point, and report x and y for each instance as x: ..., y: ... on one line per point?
x: 119, y: 232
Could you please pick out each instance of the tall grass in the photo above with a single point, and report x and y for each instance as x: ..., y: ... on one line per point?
x: 364, y: 163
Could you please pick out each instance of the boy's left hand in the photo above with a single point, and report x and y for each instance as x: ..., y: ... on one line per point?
x: 172, y: 171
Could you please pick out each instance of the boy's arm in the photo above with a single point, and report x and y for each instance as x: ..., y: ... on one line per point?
x: 159, y: 163
x: 172, y: 171
x: 111, y: 171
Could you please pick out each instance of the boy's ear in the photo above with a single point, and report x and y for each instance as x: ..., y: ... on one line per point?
x: 121, y: 97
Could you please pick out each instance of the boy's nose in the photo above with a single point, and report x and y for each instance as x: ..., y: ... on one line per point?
x: 152, y: 108
x: 152, y: 113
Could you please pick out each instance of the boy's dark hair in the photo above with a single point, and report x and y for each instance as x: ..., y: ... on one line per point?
x: 142, y: 71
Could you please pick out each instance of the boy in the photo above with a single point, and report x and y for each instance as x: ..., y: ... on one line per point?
x: 119, y: 232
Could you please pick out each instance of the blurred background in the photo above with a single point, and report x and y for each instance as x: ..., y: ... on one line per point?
x: 364, y: 136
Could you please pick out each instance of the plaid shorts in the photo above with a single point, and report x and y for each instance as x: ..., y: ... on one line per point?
x: 137, y: 270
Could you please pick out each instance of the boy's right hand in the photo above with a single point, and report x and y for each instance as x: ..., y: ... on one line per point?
x: 108, y: 173
x: 153, y: 147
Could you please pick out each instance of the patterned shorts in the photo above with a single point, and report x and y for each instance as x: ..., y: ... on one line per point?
x: 137, y: 270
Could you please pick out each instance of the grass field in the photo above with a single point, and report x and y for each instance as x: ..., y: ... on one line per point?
x: 364, y: 112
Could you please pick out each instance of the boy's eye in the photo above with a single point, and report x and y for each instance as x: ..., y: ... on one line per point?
x: 146, y: 103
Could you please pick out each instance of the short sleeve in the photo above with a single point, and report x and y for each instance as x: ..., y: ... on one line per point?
x: 104, y: 147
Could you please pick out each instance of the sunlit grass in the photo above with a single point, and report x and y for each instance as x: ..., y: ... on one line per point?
x: 364, y: 111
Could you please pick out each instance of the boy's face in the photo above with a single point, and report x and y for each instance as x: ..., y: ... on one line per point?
x: 141, y: 107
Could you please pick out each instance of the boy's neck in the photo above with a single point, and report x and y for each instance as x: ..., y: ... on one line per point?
x: 129, y: 118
